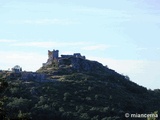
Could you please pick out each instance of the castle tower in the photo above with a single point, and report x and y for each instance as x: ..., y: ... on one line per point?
x: 55, y: 54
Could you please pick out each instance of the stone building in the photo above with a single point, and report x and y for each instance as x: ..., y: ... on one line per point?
x: 17, y: 69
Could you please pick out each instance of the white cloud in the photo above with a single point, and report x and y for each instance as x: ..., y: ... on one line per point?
x: 6, y: 41
x: 28, y: 61
x: 135, y: 15
x: 35, y: 44
x: 117, y: 13
x: 142, y: 48
x: 46, y: 21
x: 52, y: 44
x: 158, y: 48
x: 111, y: 14
x: 47, y: 44
x: 96, y: 47
x: 123, y: 66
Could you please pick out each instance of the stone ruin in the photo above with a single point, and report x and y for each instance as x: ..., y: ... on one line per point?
x: 16, y: 69
x: 54, y: 56
x: 33, y: 76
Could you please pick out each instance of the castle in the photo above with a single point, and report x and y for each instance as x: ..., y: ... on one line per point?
x: 54, y: 56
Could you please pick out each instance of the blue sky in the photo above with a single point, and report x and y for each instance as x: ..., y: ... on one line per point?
x: 123, y: 34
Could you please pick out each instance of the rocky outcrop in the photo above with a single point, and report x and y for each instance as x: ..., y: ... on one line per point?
x: 83, y: 65
x: 79, y: 64
x: 66, y: 66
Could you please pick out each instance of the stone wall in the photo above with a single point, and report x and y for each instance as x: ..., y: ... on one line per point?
x: 33, y: 76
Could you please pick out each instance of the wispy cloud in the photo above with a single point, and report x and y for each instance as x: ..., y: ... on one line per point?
x: 28, y: 61
x: 158, y: 48
x: 103, y: 11
x: 47, y: 44
x: 148, y: 49
x: 35, y: 44
x: 50, y: 44
x: 7, y: 41
x: 109, y: 13
x: 123, y: 66
x: 96, y: 47
x: 136, y: 15
x: 141, y: 48
x: 46, y: 21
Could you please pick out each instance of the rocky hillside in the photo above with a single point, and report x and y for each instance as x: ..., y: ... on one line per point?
x: 75, y: 65
x: 80, y: 90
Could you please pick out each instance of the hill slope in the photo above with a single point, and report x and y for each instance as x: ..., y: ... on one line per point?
x: 79, y: 90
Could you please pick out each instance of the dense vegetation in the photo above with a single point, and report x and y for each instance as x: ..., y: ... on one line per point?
x: 76, y: 96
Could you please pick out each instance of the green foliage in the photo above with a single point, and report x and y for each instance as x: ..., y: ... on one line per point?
x: 3, y: 84
x: 23, y: 116
x: 78, y: 96
x: 3, y: 87
x: 84, y: 116
x: 18, y: 103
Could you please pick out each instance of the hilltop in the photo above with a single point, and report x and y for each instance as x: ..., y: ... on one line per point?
x: 72, y: 64
x: 74, y: 88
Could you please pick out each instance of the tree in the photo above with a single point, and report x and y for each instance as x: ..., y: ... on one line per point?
x: 23, y: 116
x: 3, y: 86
